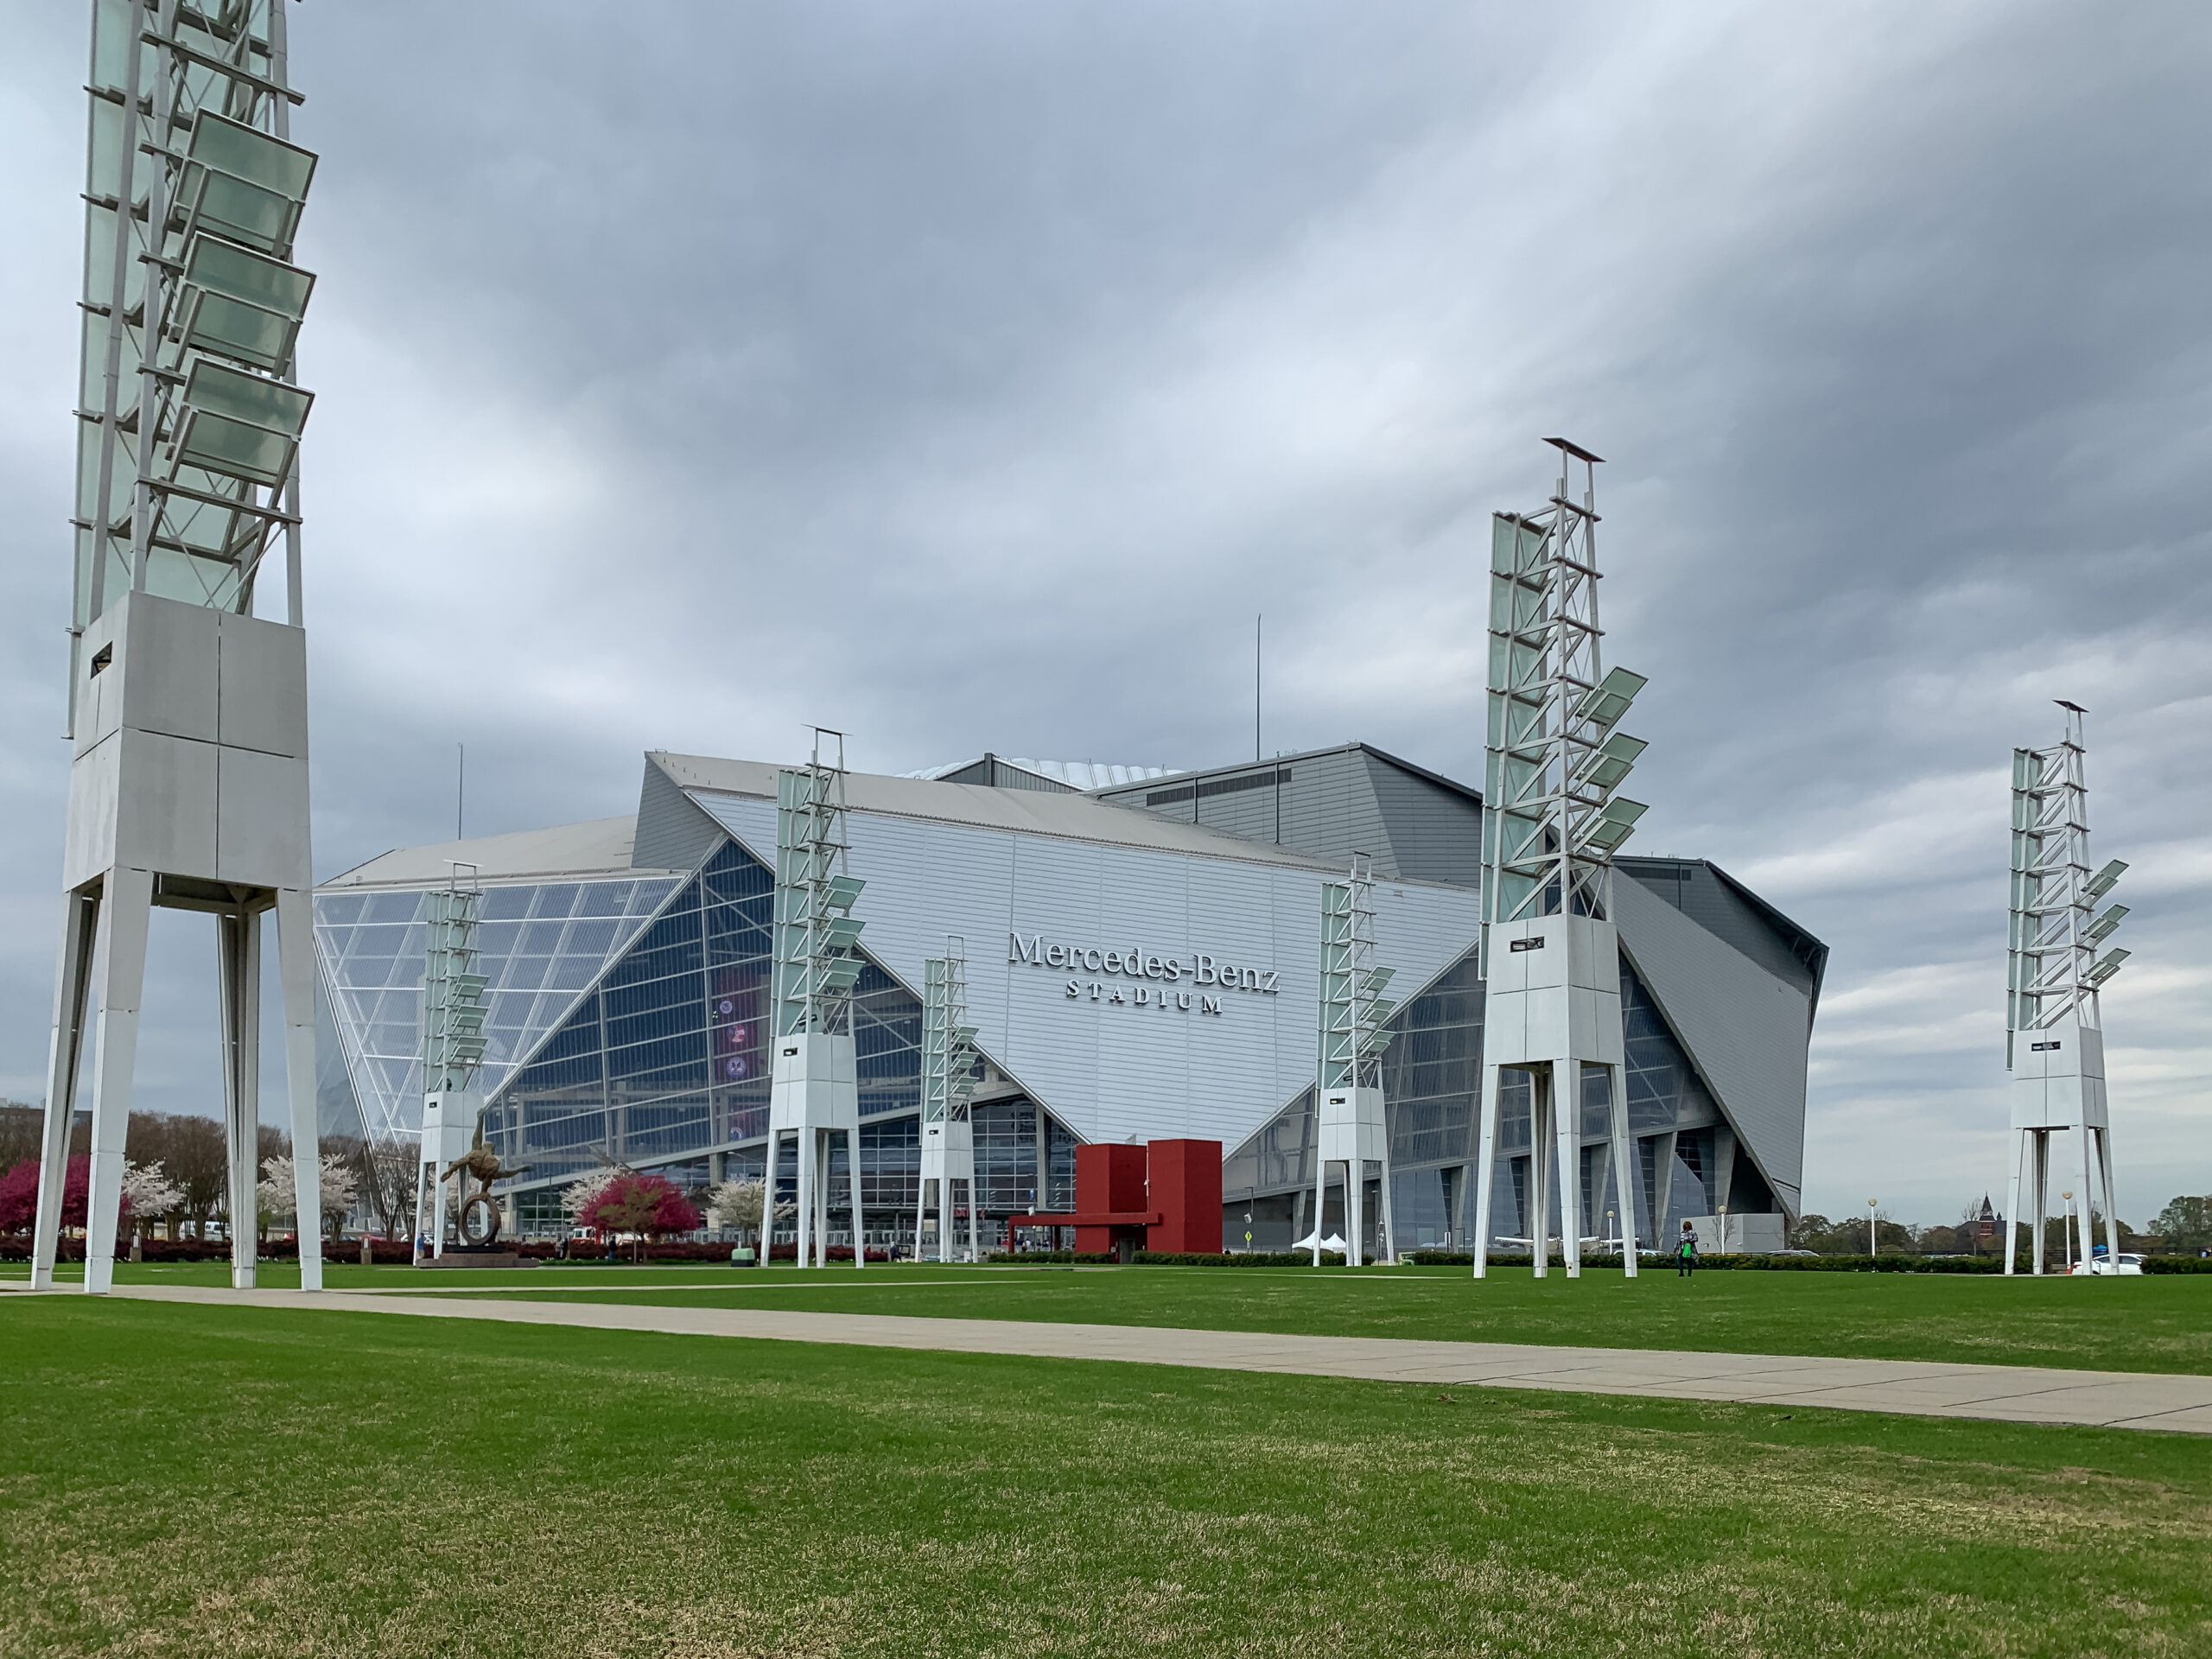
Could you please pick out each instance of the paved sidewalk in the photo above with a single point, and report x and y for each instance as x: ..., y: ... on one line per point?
x: 2008, y: 1393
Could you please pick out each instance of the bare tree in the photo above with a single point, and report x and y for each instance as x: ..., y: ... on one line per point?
x: 388, y: 1177
x: 22, y: 1130
x: 191, y: 1154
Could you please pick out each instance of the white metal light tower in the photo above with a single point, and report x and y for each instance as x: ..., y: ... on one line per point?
x: 1348, y: 1085
x: 814, y: 1087
x: 948, y: 1080
x: 453, y: 1045
x: 189, y: 787
x: 2054, y: 1029
x: 1551, y: 823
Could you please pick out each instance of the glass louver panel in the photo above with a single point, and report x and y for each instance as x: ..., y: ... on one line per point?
x: 239, y: 425
x: 236, y: 273
x: 237, y: 396
x: 215, y: 322
x: 217, y: 444
x: 245, y: 184
x: 240, y: 304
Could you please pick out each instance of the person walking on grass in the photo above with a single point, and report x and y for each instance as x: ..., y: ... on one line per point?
x: 1686, y: 1253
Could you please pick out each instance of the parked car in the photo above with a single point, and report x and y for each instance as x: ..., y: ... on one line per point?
x: 2121, y: 1265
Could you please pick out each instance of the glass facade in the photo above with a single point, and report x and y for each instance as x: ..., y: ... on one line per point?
x: 542, y: 945
x: 668, y: 1054
x: 628, y: 1023
x: 1432, y: 1081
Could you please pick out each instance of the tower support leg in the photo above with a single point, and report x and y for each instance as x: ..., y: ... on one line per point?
x: 422, y: 1208
x: 1486, y: 1168
x: 860, y: 1225
x: 296, y: 985
x: 2104, y: 1167
x: 1320, y: 1198
x: 2088, y: 1219
x: 237, y: 991
x: 1389, y: 1252
x: 1628, y: 1174
x: 768, y: 1196
x: 2039, y: 1150
x: 803, y: 1210
x: 1567, y: 1127
x: 1355, y: 1212
x: 821, y: 1139
x: 80, y: 915
x: 2012, y: 1199
x: 1539, y: 1170
x: 126, y: 910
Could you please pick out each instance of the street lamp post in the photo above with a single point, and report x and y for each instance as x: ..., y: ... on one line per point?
x: 2066, y: 1239
x: 1871, y: 1249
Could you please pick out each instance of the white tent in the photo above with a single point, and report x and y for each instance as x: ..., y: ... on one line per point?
x: 1332, y: 1243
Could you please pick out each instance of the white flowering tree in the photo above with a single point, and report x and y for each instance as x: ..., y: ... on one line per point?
x: 150, y: 1195
x: 578, y: 1196
x: 736, y: 1204
x: 278, y: 1196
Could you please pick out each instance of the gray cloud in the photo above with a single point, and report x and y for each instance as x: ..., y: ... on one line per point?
x: 966, y: 376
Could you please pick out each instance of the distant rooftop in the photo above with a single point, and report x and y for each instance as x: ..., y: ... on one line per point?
x: 1053, y: 811
x: 600, y: 847
x: 1078, y: 775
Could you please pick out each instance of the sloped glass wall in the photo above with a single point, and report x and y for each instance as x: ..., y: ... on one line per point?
x: 668, y: 1055
x: 541, y: 944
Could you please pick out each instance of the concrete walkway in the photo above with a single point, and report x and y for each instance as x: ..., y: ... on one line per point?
x: 2006, y: 1392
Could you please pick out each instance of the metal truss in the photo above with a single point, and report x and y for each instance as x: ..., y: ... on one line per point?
x: 948, y: 1057
x: 815, y: 967
x: 190, y: 421
x: 1552, y: 820
x: 948, y: 1041
x: 453, y: 989
x: 1353, y: 1008
x: 2052, y: 968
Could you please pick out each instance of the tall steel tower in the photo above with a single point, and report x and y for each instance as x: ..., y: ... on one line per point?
x: 188, y: 712
x: 948, y: 1080
x: 1351, y: 1130
x: 2054, y: 1029
x: 814, y: 1086
x: 1551, y: 823
x: 453, y: 1045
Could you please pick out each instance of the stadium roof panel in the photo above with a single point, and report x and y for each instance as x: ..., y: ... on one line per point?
x: 1073, y: 817
x: 596, y: 847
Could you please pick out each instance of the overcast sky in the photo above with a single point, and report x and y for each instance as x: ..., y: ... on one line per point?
x: 966, y: 376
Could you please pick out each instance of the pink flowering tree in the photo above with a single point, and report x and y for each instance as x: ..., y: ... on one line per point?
x: 652, y: 1206
x: 19, y: 1197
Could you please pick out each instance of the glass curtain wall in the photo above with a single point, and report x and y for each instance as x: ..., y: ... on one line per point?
x: 541, y: 945
x: 1433, y: 1091
x: 667, y: 1056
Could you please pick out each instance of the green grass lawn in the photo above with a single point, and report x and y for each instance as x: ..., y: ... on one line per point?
x: 2152, y: 1324
x: 201, y: 1480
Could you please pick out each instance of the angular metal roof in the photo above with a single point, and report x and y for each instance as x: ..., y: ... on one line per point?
x: 1745, y: 1029
x: 1070, y: 818
x: 599, y: 846
x: 1075, y: 774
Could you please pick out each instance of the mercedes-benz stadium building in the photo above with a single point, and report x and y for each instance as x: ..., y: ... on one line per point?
x: 1143, y: 963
